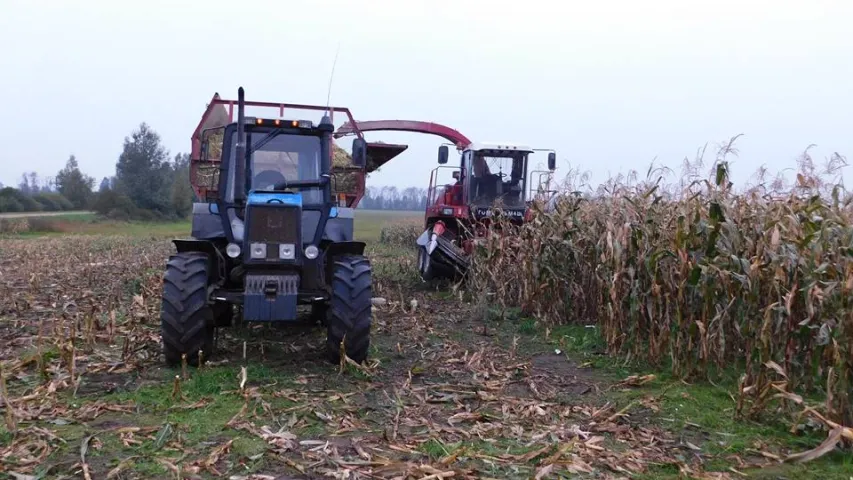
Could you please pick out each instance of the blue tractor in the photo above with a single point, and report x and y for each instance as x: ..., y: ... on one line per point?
x: 268, y: 235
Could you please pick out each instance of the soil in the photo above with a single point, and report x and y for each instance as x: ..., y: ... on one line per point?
x: 444, y: 390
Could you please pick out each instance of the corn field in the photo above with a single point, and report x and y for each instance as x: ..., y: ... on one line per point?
x: 401, y: 234
x: 700, y: 278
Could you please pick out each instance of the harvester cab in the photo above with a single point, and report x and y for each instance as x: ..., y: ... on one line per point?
x: 491, y: 179
x: 269, y: 231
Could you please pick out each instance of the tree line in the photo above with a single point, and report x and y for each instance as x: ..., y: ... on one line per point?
x: 391, y: 198
x: 149, y: 184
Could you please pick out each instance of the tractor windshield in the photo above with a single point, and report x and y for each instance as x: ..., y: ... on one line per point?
x: 282, y: 158
x: 498, y: 177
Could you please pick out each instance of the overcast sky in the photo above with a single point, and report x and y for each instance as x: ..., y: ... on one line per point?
x: 611, y: 85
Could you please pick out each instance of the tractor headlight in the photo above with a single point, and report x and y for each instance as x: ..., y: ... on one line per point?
x: 286, y: 251
x: 258, y: 250
x: 447, y: 211
x: 311, y: 252
x: 232, y: 250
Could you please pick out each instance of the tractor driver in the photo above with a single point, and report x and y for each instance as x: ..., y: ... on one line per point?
x: 270, y: 168
x: 483, y: 182
x: 481, y: 168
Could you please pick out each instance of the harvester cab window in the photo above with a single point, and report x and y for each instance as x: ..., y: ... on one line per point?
x: 497, y: 178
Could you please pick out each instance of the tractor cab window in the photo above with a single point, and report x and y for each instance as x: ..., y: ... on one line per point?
x: 281, y: 159
x: 497, y: 177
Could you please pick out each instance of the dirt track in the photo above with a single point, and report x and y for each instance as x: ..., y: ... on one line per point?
x: 43, y: 214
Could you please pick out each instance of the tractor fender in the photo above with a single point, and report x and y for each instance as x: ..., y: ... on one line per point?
x: 335, y: 249
x: 217, y: 260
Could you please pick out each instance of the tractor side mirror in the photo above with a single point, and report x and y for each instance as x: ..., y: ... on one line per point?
x: 442, y: 154
x: 359, y: 152
x: 552, y: 161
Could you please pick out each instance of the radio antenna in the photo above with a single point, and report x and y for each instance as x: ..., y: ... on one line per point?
x: 331, y: 77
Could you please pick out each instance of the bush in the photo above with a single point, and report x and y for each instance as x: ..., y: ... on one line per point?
x: 30, y: 204
x: 10, y: 205
x: 53, y: 202
x: 48, y: 204
x: 702, y: 280
x: 400, y: 235
x: 13, y: 200
x: 111, y: 204
x: 64, y: 204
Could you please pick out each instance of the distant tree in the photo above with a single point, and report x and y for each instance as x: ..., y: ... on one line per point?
x: 24, y: 186
x: 48, y: 185
x: 74, y: 184
x: 182, y: 193
x: 389, y: 198
x: 105, y: 185
x: 143, y: 171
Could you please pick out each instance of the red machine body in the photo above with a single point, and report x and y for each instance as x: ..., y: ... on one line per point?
x: 415, y: 126
x: 459, y: 214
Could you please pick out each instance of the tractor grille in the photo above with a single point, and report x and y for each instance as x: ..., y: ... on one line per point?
x: 274, y: 224
x: 281, y: 284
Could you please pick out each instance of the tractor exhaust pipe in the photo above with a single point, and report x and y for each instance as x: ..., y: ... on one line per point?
x: 240, y: 158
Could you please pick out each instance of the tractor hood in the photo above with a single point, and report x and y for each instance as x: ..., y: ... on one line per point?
x: 379, y: 153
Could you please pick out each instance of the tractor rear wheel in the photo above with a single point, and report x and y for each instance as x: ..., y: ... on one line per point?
x: 349, y: 315
x: 186, y: 319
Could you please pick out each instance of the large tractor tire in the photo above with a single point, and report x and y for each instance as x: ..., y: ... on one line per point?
x: 186, y: 319
x: 349, y: 315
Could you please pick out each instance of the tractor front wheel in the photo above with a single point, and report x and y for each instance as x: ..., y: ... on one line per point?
x: 186, y: 319
x: 349, y: 315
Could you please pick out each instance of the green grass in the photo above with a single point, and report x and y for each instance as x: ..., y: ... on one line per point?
x: 701, y: 413
x: 368, y: 225
x: 192, y: 427
x: 72, y: 215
